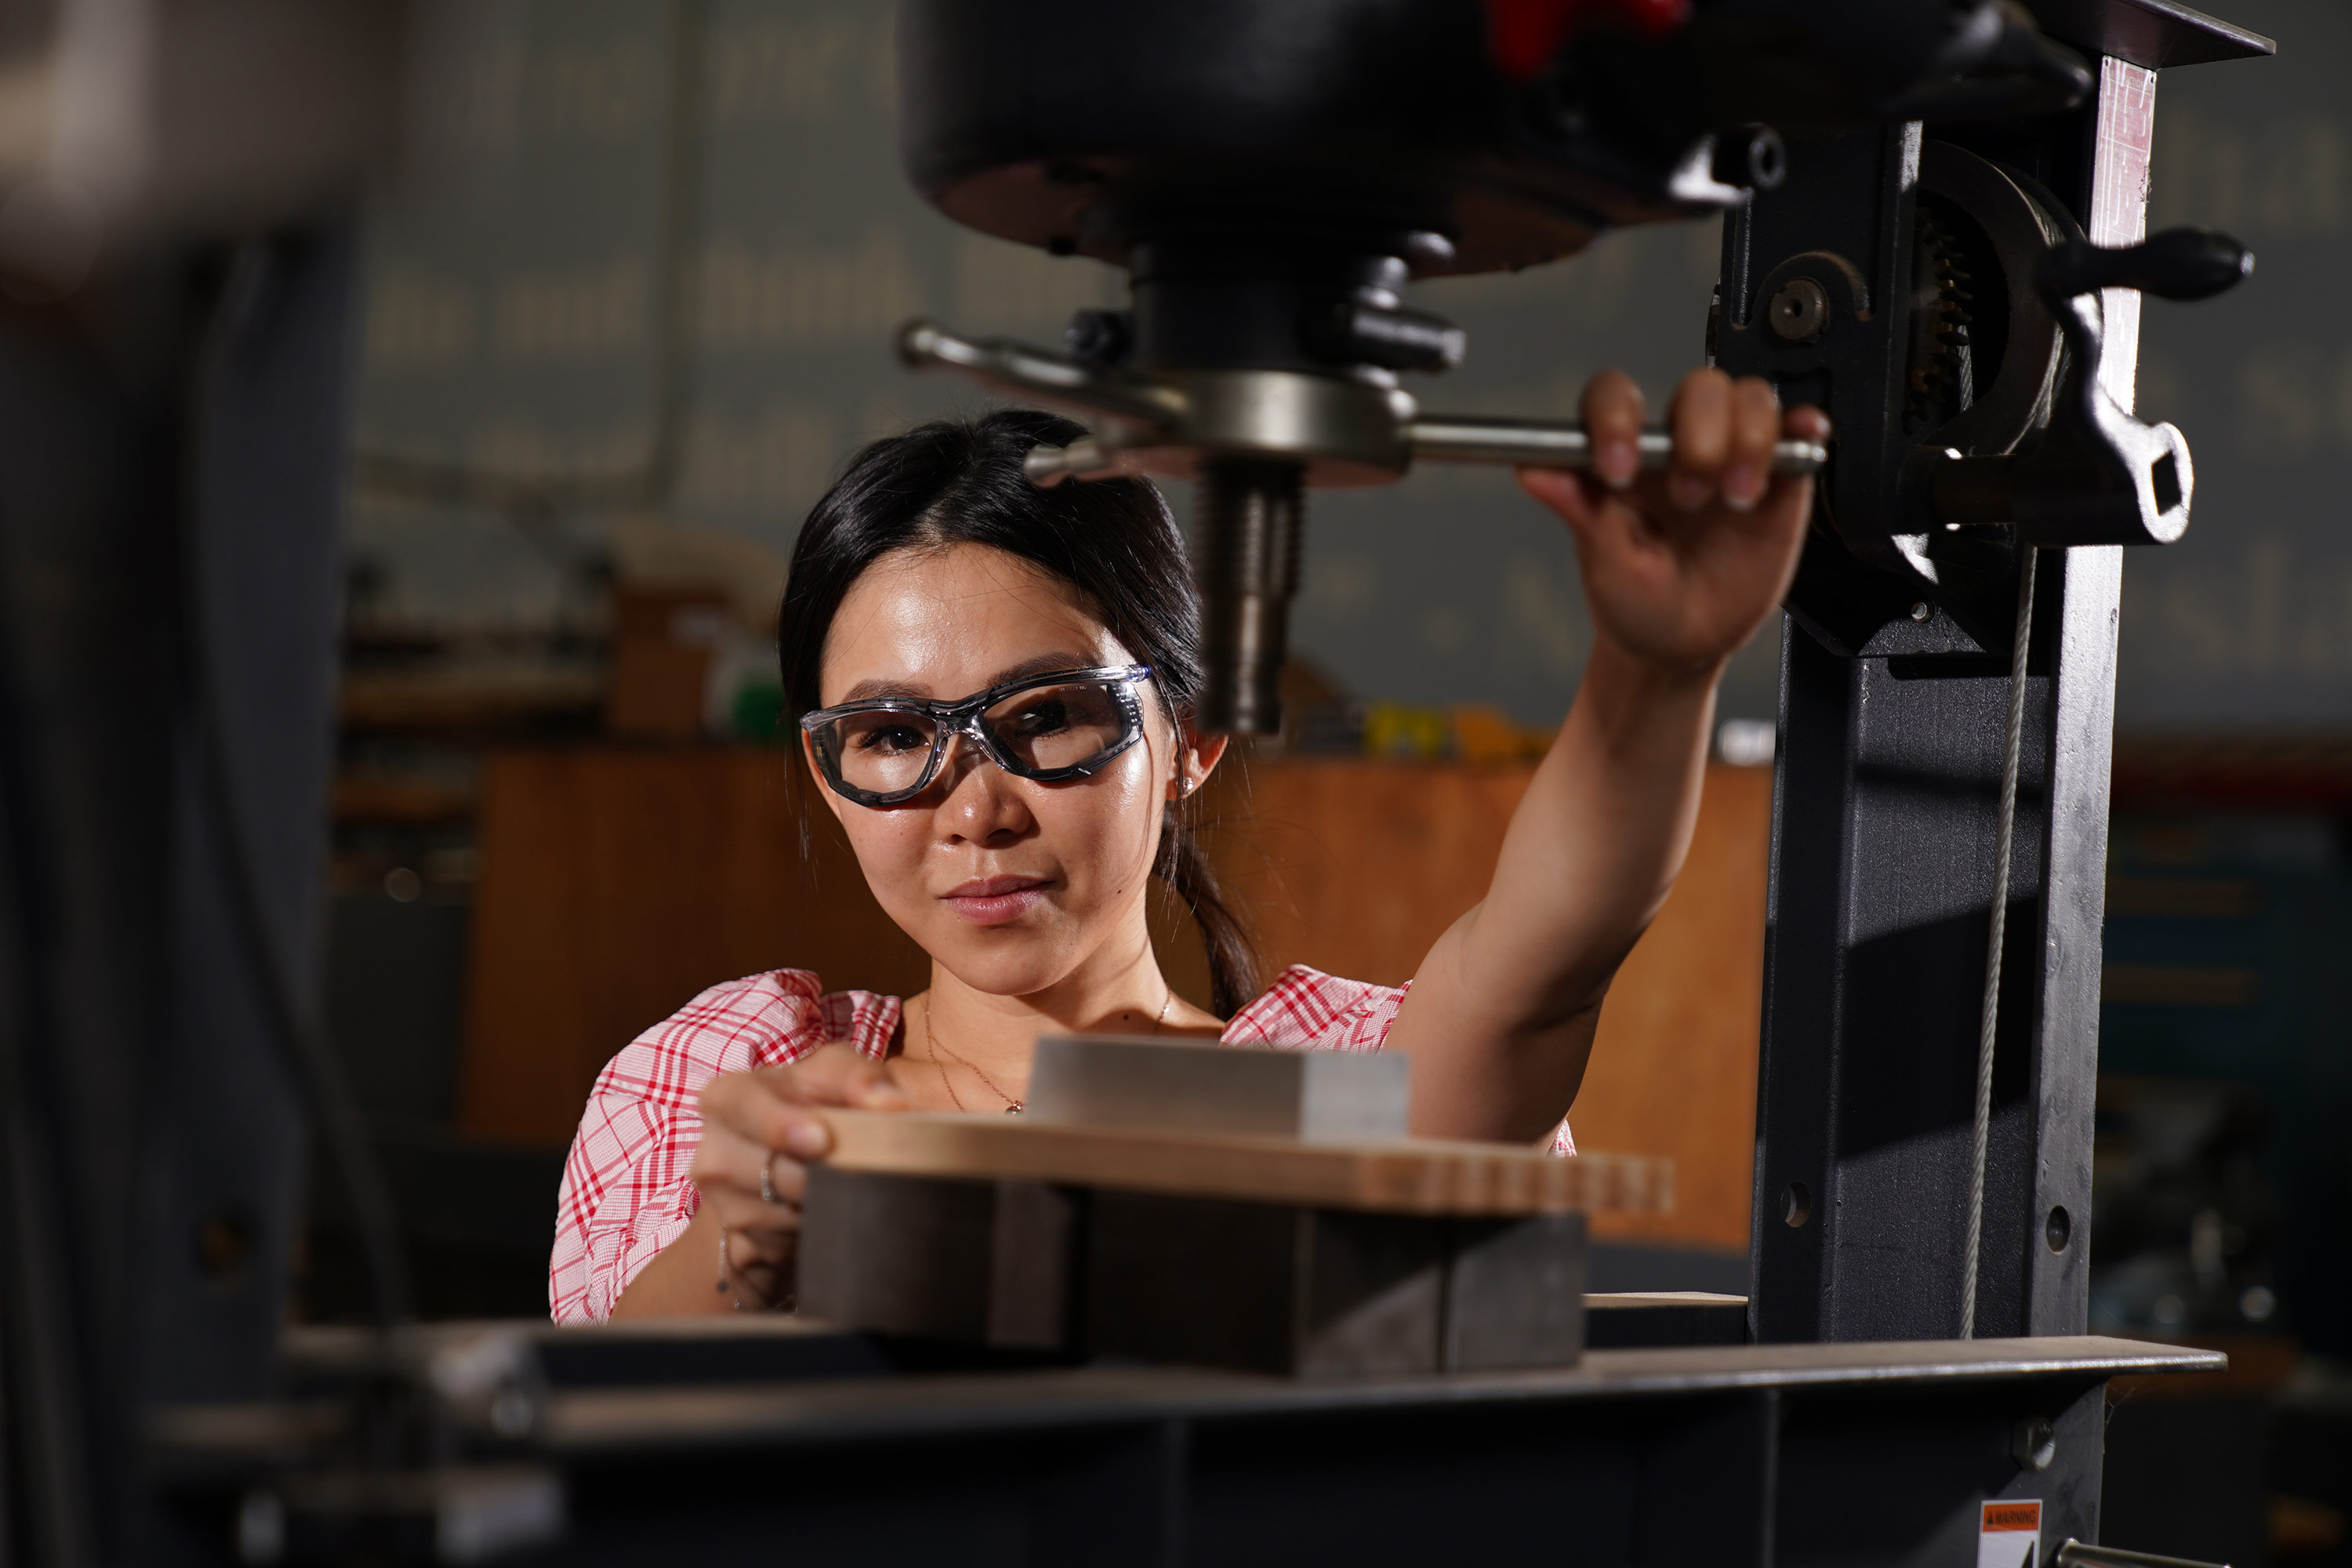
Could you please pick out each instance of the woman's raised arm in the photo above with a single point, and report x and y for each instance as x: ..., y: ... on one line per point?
x: 1680, y: 569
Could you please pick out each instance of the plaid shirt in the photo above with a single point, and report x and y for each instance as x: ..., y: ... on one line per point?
x: 625, y: 1194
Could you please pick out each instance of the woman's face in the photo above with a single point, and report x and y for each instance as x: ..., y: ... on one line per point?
x: 1010, y: 883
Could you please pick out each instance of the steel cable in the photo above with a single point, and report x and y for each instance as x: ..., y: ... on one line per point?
x: 1980, y: 1123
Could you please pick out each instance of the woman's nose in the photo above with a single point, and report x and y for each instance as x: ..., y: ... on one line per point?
x: 982, y: 802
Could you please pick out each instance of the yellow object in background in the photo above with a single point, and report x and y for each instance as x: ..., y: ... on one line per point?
x: 1478, y: 733
x: 1486, y: 736
x: 1396, y: 730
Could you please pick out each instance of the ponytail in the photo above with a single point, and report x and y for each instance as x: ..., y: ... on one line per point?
x: 1225, y: 936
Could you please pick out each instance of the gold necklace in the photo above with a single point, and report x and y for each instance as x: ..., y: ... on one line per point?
x: 930, y: 1038
x: 1011, y: 1106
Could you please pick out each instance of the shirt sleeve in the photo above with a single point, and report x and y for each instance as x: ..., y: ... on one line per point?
x: 625, y: 1194
x: 1308, y: 1010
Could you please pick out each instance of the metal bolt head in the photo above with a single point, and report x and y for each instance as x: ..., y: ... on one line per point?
x: 1921, y: 611
x: 1796, y: 1205
x: 1799, y: 311
x: 2033, y: 1443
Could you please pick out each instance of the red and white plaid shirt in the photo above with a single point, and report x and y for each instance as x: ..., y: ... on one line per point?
x: 625, y: 1194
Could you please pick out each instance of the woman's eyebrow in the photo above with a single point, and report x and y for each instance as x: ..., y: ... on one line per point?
x: 871, y: 690
x: 1043, y: 664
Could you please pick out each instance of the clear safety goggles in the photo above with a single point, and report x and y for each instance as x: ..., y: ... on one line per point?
x: 1062, y: 725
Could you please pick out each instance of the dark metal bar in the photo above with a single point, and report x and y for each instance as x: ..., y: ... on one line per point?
x: 2084, y: 1555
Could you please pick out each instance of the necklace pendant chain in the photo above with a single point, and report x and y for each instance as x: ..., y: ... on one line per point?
x: 1011, y: 1106
x: 930, y: 1038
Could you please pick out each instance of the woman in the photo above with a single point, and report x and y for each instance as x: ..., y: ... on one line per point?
x: 997, y: 684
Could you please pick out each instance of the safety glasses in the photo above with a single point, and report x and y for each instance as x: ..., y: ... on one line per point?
x: 1063, y: 725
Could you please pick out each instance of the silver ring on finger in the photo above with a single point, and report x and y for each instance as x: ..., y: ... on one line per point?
x: 767, y: 1182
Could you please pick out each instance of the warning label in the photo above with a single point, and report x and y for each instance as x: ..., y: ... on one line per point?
x: 2011, y: 1535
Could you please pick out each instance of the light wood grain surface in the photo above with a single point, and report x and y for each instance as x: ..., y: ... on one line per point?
x: 1412, y: 1176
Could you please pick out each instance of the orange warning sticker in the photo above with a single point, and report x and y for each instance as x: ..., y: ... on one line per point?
x: 2009, y: 1535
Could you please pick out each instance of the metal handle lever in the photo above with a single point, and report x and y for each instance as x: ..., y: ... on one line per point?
x: 1031, y: 372
x: 1526, y: 443
x: 2178, y: 264
x: 2082, y: 1555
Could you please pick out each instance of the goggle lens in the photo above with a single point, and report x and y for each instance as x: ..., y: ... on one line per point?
x: 880, y: 752
x: 1055, y: 727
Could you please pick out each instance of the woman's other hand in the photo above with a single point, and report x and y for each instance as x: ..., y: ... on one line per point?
x: 1681, y: 567
x: 765, y: 1118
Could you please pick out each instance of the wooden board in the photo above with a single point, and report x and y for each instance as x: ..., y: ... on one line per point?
x: 1428, y: 1177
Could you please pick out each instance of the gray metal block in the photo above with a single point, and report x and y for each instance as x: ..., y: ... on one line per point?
x: 988, y: 1262
x: 1515, y: 1293
x: 1120, y: 1081
x: 1273, y: 1287
x: 1263, y: 1287
x: 898, y: 1254
x: 1033, y: 1242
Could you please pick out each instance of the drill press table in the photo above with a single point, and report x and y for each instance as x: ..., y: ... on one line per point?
x: 760, y: 1440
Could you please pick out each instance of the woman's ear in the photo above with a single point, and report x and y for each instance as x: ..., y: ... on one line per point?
x: 1197, y: 756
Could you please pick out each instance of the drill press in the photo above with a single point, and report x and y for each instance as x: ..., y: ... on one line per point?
x: 1931, y: 228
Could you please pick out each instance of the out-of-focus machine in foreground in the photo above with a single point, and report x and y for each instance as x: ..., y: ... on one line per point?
x: 1083, y: 1339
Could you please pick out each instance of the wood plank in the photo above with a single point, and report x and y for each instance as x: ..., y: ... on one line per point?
x: 1414, y: 1177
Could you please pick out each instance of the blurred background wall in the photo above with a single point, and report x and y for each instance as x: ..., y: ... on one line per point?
x: 628, y: 309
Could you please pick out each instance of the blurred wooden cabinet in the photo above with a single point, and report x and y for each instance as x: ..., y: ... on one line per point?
x: 615, y: 883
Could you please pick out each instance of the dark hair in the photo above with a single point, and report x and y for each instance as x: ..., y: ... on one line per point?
x: 960, y: 482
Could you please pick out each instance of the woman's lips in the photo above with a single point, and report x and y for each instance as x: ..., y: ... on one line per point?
x: 995, y: 900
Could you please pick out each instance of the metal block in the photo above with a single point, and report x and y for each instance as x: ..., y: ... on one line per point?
x: 1317, y: 1096
x: 1277, y: 1287
x: 1032, y: 1265
x: 987, y: 1262
x: 898, y: 1254
x: 1515, y: 1293
x: 1263, y: 1286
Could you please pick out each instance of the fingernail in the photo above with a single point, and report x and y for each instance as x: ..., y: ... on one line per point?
x: 808, y: 1138
x: 1743, y: 486
x: 1688, y: 492
x: 884, y: 1097
x: 1618, y: 462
